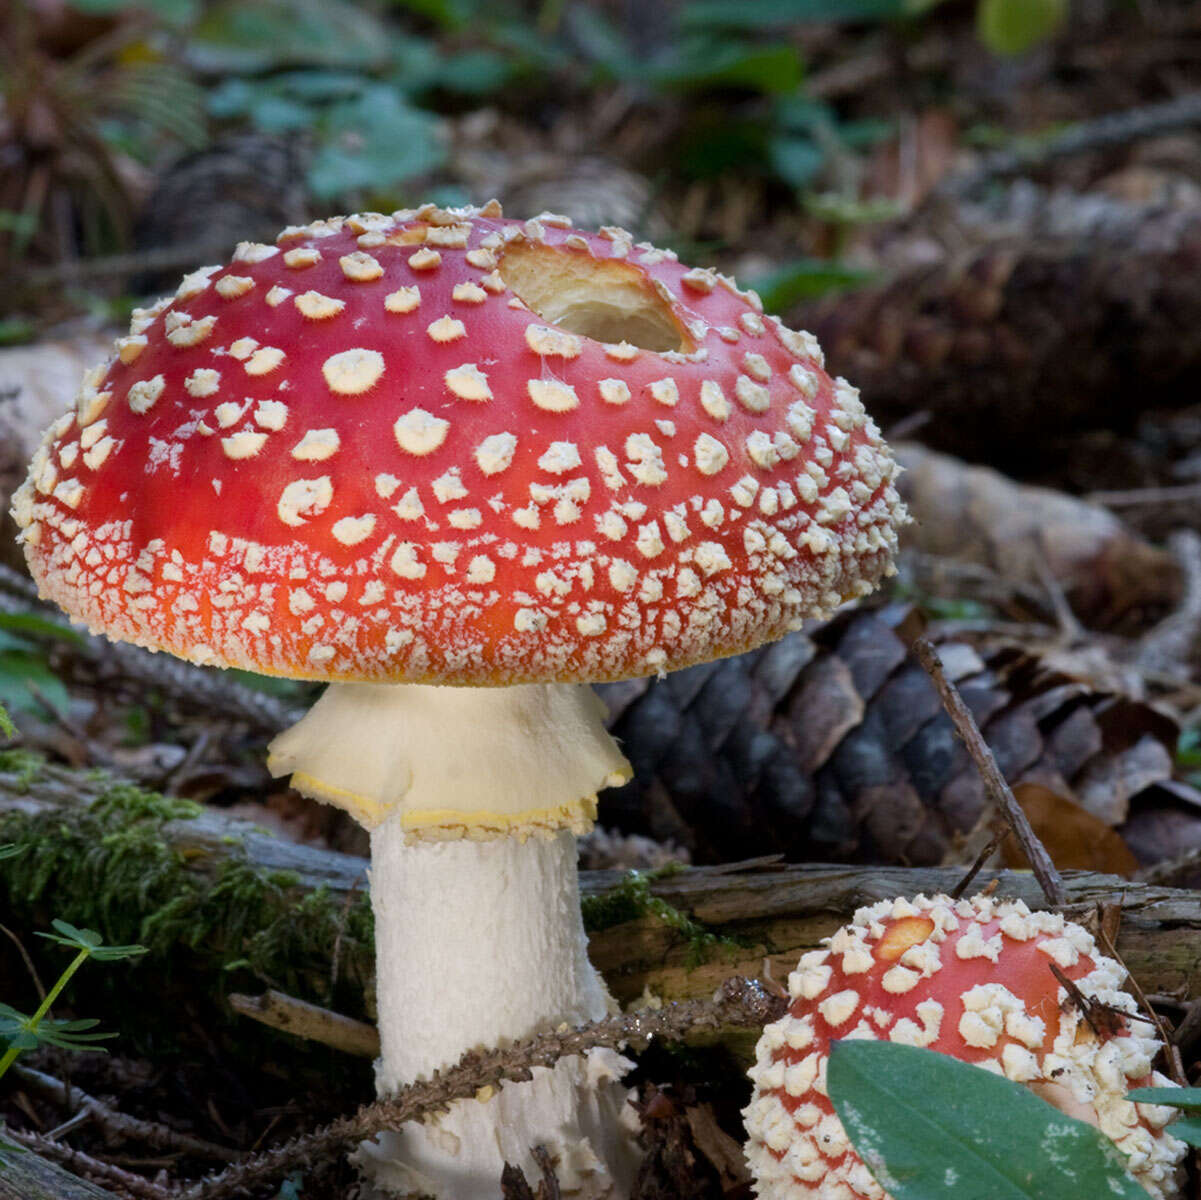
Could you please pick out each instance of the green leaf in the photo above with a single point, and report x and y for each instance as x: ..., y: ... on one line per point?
x: 89, y: 941
x: 472, y: 73
x: 258, y: 35
x: 805, y: 279
x: 771, y: 14
x: 8, y: 850
x: 1174, y: 1097
x: 371, y: 143
x: 1015, y: 26
x: 929, y: 1126
x: 40, y: 627
x: 1187, y: 1129
x: 7, y: 728
x: 706, y: 62
x: 19, y: 669
x: 796, y: 160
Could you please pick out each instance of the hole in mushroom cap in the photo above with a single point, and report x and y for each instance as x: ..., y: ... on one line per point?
x: 608, y: 301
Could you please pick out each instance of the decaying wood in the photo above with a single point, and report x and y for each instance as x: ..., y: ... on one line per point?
x: 1024, y: 534
x: 309, y: 1021
x: 24, y: 1175
x: 1048, y: 324
x: 82, y: 1164
x: 774, y: 912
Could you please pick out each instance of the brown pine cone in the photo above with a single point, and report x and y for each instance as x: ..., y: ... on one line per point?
x: 832, y: 745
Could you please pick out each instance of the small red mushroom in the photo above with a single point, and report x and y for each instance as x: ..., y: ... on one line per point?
x: 968, y: 978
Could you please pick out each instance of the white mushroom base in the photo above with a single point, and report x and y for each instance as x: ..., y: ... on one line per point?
x: 480, y: 943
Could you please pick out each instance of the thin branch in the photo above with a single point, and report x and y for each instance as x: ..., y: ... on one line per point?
x: 994, y: 782
x: 739, y: 1002
x: 1171, y: 1050
x: 278, y: 1010
x: 111, y: 1120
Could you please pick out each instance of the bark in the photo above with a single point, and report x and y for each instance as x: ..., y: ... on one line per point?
x: 776, y: 911
x: 25, y: 1176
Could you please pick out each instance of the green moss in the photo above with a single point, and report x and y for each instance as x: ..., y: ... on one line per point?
x: 632, y: 899
x: 24, y: 765
x: 109, y: 867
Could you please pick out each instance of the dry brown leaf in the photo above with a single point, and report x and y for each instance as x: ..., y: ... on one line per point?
x: 1075, y: 839
x: 1028, y: 535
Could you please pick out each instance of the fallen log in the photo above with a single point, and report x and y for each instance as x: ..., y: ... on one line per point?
x: 193, y: 882
x: 26, y: 1176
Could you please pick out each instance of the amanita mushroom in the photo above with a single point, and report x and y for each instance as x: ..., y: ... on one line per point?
x: 442, y: 448
x: 969, y: 978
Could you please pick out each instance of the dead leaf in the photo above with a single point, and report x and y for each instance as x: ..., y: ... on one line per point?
x: 1075, y: 839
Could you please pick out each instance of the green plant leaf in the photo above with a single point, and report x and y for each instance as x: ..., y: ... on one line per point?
x: 7, y: 728
x: 40, y: 627
x: 795, y: 159
x: 706, y: 62
x: 929, y: 1126
x: 1174, y: 1097
x: 805, y: 279
x: 372, y: 142
x: 771, y: 14
x: 1015, y: 26
x: 259, y: 35
x: 21, y: 668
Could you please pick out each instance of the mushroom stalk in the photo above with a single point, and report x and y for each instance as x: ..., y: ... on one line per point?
x: 473, y: 797
x: 481, y: 943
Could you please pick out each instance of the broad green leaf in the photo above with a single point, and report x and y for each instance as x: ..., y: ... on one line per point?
x: 600, y: 40
x: 372, y: 143
x: 472, y: 73
x: 771, y: 14
x: 795, y: 159
x: 19, y: 670
x: 804, y: 279
x: 259, y: 35
x: 7, y: 728
x: 31, y: 623
x: 1176, y: 1097
x: 706, y: 62
x: 929, y: 1127
x: 1015, y: 26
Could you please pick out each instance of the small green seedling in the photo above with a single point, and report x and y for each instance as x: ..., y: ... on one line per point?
x: 27, y: 1032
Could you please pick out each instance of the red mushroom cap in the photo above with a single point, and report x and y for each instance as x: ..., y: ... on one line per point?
x: 444, y: 447
x: 968, y: 978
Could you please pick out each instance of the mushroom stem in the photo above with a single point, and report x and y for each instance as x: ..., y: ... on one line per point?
x: 473, y: 797
x: 479, y: 943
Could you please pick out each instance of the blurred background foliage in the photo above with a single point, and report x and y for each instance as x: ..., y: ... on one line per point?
x: 100, y: 98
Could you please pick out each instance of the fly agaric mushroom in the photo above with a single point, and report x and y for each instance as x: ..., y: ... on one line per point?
x: 442, y: 448
x: 968, y: 978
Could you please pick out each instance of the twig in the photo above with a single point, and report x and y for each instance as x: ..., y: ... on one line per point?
x: 994, y: 782
x: 87, y: 1166
x: 305, y: 1020
x: 33, y: 971
x: 976, y: 867
x: 1114, y: 129
x: 1171, y: 1050
x: 739, y: 1002
x: 111, y: 1120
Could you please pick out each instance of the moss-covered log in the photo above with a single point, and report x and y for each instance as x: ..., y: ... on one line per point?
x: 218, y: 892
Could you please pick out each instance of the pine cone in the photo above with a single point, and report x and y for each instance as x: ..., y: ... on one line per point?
x: 832, y: 745
x: 1068, y: 325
